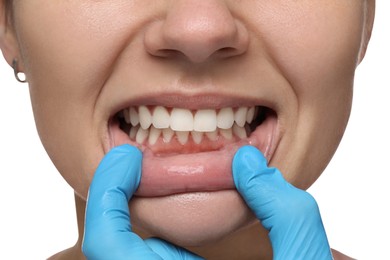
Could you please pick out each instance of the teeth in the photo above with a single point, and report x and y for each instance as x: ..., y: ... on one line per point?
x: 250, y: 115
x: 141, y: 136
x: 213, y: 136
x: 182, y: 136
x: 145, y: 118
x: 197, y: 137
x: 182, y: 120
x: 126, y: 115
x: 154, y: 135
x: 239, y: 131
x: 205, y: 120
x: 133, y: 132
x: 227, y: 133
x: 147, y: 125
x: 161, y: 118
x: 240, y: 116
x: 134, y: 118
x: 167, y: 134
x: 225, y: 118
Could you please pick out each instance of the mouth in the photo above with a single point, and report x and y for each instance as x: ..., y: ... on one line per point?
x: 189, y: 149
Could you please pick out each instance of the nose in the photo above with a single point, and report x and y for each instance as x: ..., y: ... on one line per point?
x: 197, y: 30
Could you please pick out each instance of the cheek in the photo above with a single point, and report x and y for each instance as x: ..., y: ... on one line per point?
x: 67, y: 63
x: 317, y: 53
x: 74, y: 148
x: 319, y: 47
x: 65, y: 80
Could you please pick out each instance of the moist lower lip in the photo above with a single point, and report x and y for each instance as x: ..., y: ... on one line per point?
x: 175, y: 173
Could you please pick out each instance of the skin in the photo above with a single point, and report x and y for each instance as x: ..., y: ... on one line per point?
x: 83, y: 59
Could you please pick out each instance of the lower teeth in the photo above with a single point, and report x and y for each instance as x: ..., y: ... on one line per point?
x: 151, y: 135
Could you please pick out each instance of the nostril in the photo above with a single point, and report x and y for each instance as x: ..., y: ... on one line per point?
x: 166, y: 53
x: 173, y: 54
x: 197, y: 31
x: 227, y: 52
x: 227, y: 49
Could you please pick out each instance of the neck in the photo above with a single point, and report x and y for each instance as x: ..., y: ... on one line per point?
x: 75, y: 252
x: 80, y: 214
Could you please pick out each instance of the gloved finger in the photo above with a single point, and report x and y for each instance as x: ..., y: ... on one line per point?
x: 290, y: 214
x: 169, y: 251
x: 265, y: 190
x: 108, y: 233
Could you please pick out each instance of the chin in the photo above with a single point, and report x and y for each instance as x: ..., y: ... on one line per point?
x: 191, y: 219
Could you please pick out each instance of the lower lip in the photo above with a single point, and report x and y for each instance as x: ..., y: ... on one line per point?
x: 194, y: 172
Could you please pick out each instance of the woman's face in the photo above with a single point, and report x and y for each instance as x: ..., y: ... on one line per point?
x: 188, y: 70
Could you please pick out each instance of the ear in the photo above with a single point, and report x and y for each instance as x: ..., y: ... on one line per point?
x: 369, y: 22
x: 8, y: 42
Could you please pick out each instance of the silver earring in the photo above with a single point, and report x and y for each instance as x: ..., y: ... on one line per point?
x: 17, y: 72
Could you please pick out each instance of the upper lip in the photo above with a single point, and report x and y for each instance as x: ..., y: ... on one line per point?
x: 211, y: 100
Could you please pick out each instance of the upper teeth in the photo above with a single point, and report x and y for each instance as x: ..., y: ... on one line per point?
x: 162, y: 120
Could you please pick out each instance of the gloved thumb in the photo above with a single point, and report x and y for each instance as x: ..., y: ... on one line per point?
x: 108, y: 232
x: 266, y: 192
x: 290, y: 214
x: 259, y: 185
x: 119, y: 169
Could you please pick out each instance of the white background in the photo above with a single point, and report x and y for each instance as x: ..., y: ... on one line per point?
x: 37, y: 216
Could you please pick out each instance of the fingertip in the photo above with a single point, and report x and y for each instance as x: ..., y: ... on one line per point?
x: 247, y: 158
x: 249, y: 152
x: 135, y: 157
x: 127, y: 149
x: 120, y: 167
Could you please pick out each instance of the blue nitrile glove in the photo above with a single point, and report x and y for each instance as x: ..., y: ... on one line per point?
x: 289, y: 214
x: 108, y: 233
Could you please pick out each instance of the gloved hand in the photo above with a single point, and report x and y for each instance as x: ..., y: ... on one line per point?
x: 108, y: 232
x: 289, y: 214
